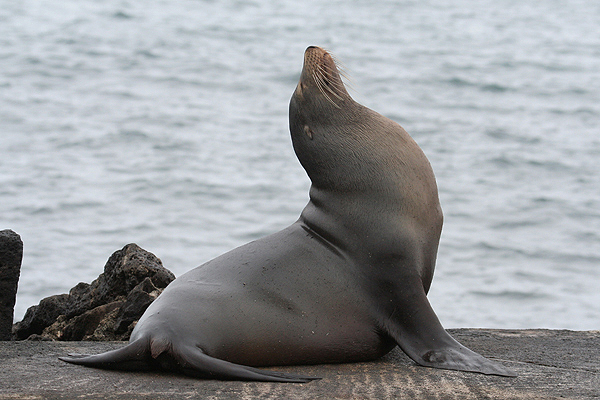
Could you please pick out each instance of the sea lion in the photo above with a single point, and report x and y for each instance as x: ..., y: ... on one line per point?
x: 346, y: 282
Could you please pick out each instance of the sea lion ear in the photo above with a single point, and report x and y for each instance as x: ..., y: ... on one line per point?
x: 308, y: 132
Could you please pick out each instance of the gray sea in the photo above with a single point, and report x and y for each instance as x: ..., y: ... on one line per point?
x: 164, y: 123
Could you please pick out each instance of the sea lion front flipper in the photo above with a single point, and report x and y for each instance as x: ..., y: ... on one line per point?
x: 419, y: 333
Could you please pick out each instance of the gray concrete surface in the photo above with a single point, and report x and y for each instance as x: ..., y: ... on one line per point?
x: 551, y: 364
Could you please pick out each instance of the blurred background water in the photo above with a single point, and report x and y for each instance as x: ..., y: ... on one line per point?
x: 164, y: 123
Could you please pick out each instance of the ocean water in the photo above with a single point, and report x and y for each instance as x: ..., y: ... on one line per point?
x: 165, y: 124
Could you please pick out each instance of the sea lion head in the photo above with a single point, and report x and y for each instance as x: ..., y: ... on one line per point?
x: 320, y: 110
x: 320, y: 82
x: 346, y: 147
x: 342, y: 145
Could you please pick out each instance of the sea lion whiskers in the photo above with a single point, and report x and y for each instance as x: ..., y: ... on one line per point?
x: 343, y: 71
x: 321, y: 85
x: 331, y: 82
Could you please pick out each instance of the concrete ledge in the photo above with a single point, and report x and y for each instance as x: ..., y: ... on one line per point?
x: 551, y: 364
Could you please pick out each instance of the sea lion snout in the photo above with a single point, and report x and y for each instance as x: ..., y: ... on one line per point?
x: 320, y: 74
x: 316, y: 57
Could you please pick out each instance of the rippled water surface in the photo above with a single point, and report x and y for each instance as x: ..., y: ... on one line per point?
x: 165, y: 124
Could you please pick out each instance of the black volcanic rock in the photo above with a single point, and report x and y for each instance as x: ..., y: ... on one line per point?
x: 11, y: 255
x: 106, y: 309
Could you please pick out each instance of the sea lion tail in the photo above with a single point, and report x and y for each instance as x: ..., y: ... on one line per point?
x: 144, y: 354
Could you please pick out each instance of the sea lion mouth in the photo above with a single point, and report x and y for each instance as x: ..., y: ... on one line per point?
x: 321, y: 67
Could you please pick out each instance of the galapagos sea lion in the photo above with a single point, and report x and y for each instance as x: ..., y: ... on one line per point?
x: 346, y: 282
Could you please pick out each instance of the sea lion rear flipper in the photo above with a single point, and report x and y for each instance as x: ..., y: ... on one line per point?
x: 419, y: 333
x: 190, y: 360
x: 132, y: 357
x: 194, y: 362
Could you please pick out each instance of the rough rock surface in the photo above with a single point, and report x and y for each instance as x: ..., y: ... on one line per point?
x: 11, y: 255
x: 549, y: 364
x: 106, y: 309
